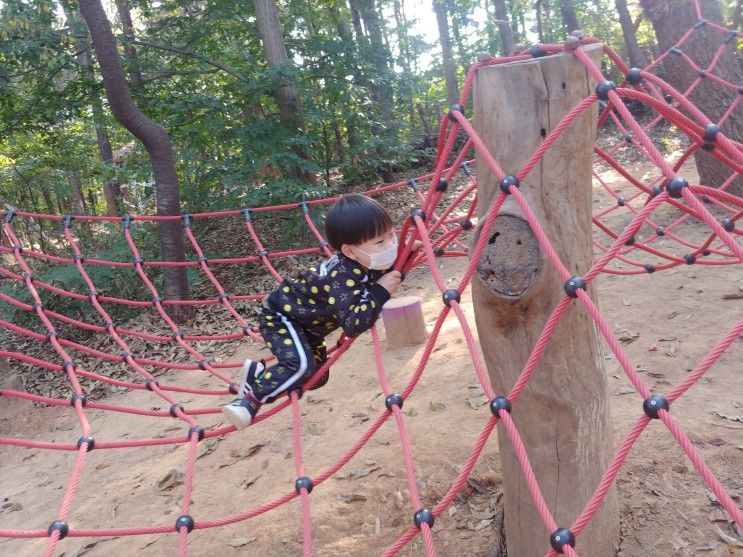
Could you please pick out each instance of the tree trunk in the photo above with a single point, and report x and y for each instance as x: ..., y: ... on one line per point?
x: 635, y: 54
x: 356, y: 20
x: 48, y: 201
x: 568, y: 16
x: 77, y: 198
x: 738, y: 15
x: 380, y: 56
x: 563, y: 414
x: 672, y: 18
x: 110, y: 189
x: 130, y: 52
x: 156, y: 141
x: 540, y: 24
x: 450, y: 71
x: 504, y: 27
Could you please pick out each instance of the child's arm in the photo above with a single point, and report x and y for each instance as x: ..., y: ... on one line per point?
x: 363, y: 303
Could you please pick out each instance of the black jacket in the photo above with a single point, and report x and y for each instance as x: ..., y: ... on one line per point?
x: 341, y: 294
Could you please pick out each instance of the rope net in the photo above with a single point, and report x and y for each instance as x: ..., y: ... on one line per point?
x: 655, y: 209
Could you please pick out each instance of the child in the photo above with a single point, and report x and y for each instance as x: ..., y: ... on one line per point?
x: 347, y: 292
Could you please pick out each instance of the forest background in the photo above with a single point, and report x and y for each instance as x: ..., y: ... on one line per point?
x: 221, y: 104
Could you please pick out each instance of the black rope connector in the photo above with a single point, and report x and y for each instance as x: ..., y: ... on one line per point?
x: 50, y: 335
x: 156, y: 300
x: 443, y: 185
x: 184, y: 520
x: 93, y: 294
x: 37, y: 305
x: 466, y: 224
x: 629, y: 137
x: 262, y: 253
x: 630, y: 241
x: 9, y: 216
x: 61, y: 526
x: 304, y: 207
x: 413, y: 184
x: 706, y: 252
x: 620, y: 202
x: 17, y: 247
x: 455, y: 108
x: 660, y: 231
x: 603, y: 88
x: 451, y: 294
x: 303, y: 482
x: 729, y: 37
x: 138, y: 261
x: 573, y: 284
x: 197, y: 429
x: 500, y: 403
x: 67, y: 221
x: 174, y: 407
x: 438, y: 251
x: 690, y: 259
x: 700, y: 23
x: 176, y: 335
x: 86, y: 439
x: 507, y: 182
x: 466, y: 168
x: 202, y: 364
x: 150, y: 384
x: 727, y: 224
x: 653, y: 404
x: 655, y: 191
x: 668, y: 98
x: 125, y: 355
x: 247, y: 214
x: 186, y: 220
x: 676, y: 186
x: 126, y: 220
x: 234, y: 388
x: 702, y: 74
x: 423, y: 516
x: 224, y: 295
x: 68, y: 364
x: 650, y: 268
x: 27, y: 276
x: 202, y: 259
x: 740, y: 90
x: 536, y: 51
x: 247, y: 329
x: 324, y: 244
x: 110, y: 326
x: 710, y: 134
x: 393, y: 400
x: 418, y: 213
x: 675, y: 50
x: 74, y: 398
x: 706, y: 199
x: 634, y: 77
x: 560, y: 538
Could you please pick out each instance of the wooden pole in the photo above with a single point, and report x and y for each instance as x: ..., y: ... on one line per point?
x: 403, y: 322
x: 562, y: 415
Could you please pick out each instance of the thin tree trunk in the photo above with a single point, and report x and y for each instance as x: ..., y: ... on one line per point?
x: 405, y: 88
x: 48, y: 201
x: 540, y: 24
x: 450, y: 72
x: 504, y: 26
x: 130, y: 52
x: 672, y: 18
x: 738, y: 15
x: 569, y: 18
x: 356, y: 20
x: 634, y: 52
x: 76, y: 193
x: 110, y: 189
x: 349, y: 57
x: 156, y: 141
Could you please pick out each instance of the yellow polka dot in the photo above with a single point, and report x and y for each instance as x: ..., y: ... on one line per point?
x: 357, y: 271
x: 269, y: 344
x: 282, y: 331
x: 269, y: 317
x: 313, y: 269
x: 287, y: 307
x: 350, y: 283
x: 326, y: 288
x: 314, y: 290
x: 357, y: 321
x: 287, y: 341
x: 315, y: 322
x: 373, y: 304
x: 363, y: 307
x: 333, y: 273
x: 356, y: 310
x: 286, y: 289
x: 267, y: 375
x: 331, y: 300
x: 271, y: 324
x: 312, y: 302
x: 356, y: 292
x: 299, y: 302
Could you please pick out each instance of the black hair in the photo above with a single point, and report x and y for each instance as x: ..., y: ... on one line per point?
x: 355, y: 219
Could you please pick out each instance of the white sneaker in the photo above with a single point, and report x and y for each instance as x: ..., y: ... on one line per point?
x: 240, y: 412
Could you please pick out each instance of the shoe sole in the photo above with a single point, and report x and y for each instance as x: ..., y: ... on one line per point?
x: 239, y: 416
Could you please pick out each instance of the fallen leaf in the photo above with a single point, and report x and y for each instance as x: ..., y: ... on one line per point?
x: 730, y: 417
x: 734, y: 296
x: 476, y: 401
x: 239, y: 542
x: 399, y: 502
x: 624, y: 390
x: 627, y: 336
x: 246, y: 483
x: 362, y: 472
x: 717, y: 442
x: 483, y: 524
x: 208, y: 447
x: 437, y: 406
x: 709, y: 546
x: 728, y: 539
x: 172, y: 479
x: 410, y: 412
x: 351, y: 498
x: 315, y: 429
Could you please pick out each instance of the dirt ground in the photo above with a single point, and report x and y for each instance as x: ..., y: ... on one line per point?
x: 670, y: 320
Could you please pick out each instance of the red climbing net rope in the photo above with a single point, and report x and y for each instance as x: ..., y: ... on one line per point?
x: 624, y: 251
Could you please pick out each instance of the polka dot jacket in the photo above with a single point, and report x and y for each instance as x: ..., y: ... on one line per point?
x: 340, y: 294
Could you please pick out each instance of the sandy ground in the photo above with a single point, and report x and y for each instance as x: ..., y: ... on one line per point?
x: 666, y: 508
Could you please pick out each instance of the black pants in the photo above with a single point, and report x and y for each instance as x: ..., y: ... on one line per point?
x: 299, y: 354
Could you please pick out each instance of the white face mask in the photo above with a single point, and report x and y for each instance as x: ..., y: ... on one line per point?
x: 383, y: 259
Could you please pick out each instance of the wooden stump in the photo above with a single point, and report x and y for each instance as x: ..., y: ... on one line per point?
x: 403, y: 322
x: 562, y: 415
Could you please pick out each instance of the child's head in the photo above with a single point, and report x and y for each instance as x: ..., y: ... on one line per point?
x: 358, y: 226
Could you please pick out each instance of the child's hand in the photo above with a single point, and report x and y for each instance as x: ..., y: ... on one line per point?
x: 391, y: 281
x: 417, y: 246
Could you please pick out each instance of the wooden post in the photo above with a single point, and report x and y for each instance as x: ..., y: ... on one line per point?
x: 562, y: 415
x: 403, y: 322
